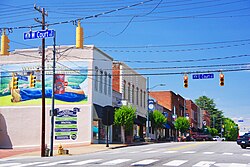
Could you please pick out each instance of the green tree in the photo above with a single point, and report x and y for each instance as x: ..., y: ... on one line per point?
x: 157, y: 119
x: 124, y: 117
x: 230, y: 129
x: 182, y: 124
x: 212, y: 131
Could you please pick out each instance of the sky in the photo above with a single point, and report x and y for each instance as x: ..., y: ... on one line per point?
x: 163, y: 38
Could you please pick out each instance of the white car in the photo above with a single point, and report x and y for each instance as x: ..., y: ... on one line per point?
x: 218, y: 138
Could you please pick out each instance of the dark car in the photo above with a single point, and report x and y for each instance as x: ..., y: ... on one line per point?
x: 202, y: 137
x: 244, y: 141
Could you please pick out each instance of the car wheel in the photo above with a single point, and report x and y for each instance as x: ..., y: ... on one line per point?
x: 243, y: 147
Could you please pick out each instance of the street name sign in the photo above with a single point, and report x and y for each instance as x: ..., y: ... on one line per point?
x: 203, y: 76
x: 21, y: 77
x: 38, y: 34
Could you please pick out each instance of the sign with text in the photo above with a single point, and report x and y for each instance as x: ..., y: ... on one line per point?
x: 38, y: 34
x: 203, y: 76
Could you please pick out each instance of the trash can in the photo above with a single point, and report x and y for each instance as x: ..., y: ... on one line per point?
x: 47, y: 151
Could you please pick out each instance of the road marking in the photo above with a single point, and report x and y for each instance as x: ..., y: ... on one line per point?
x: 147, y: 149
x: 208, y: 152
x: 144, y: 162
x: 56, y: 163
x: 9, y: 164
x: 29, y: 164
x: 227, y: 154
x: 246, y: 155
x: 204, y: 164
x: 115, y: 162
x: 169, y: 152
x: 175, y: 163
x: 230, y: 165
x: 185, y: 146
x: 85, y: 162
x: 134, y: 152
x: 148, y: 152
x: 189, y: 152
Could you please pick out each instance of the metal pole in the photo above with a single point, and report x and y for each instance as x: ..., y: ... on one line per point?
x: 107, y: 140
x: 147, y: 126
x: 53, y: 98
x: 43, y: 87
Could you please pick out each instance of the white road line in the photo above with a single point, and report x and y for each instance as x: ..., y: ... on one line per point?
x: 29, y: 164
x: 115, y: 162
x: 169, y: 152
x: 204, y: 164
x: 246, y: 155
x: 147, y: 149
x: 56, y: 163
x: 149, y: 152
x: 134, y: 152
x: 230, y: 165
x: 189, y: 152
x: 9, y: 164
x: 144, y: 162
x: 175, y: 163
x: 227, y: 153
x: 85, y: 162
x: 208, y: 152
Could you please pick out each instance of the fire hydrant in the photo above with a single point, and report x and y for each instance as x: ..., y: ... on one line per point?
x: 60, y: 150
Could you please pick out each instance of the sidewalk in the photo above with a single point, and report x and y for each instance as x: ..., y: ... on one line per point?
x: 73, y: 150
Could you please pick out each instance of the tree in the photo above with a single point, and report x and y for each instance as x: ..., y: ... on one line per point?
x: 182, y: 124
x: 157, y: 119
x: 124, y: 117
x: 230, y: 129
x: 212, y: 131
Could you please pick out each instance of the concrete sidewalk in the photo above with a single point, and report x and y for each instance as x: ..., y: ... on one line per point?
x: 73, y: 150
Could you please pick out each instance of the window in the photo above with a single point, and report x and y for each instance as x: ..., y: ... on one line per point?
x: 109, y: 86
x: 137, y: 96
x: 105, y: 82
x: 141, y: 98
x: 133, y: 94
x: 124, y: 90
x: 101, y: 81
x: 129, y: 92
x: 96, y: 78
x: 144, y: 99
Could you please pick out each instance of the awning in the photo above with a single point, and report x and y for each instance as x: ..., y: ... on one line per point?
x: 97, y: 112
x: 137, y: 121
x: 167, y: 126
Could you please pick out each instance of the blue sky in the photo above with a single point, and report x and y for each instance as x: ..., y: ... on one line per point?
x: 216, y: 31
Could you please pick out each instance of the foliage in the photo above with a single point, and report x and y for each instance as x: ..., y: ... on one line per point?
x: 230, y: 129
x: 182, y: 124
x: 158, y: 119
x: 124, y: 116
x: 212, y: 131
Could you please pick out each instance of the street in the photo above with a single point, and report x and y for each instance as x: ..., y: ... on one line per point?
x: 184, y: 154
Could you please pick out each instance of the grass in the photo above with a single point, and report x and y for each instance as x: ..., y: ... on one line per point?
x: 6, y: 101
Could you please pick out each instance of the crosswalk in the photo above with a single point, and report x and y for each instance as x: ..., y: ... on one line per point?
x: 126, y: 162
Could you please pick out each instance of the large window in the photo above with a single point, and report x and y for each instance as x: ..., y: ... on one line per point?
x: 133, y: 94
x: 124, y: 89
x: 96, y: 78
x: 105, y: 82
x: 137, y: 96
x: 101, y: 81
x: 144, y: 99
x: 141, y: 98
x: 109, y: 86
x: 129, y: 92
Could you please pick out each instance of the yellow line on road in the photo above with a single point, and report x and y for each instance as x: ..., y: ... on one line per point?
x: 185, y: 146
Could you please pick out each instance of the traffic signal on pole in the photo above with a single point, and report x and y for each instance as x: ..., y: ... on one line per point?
x: 14, y: 82
x: 221, y: 79
x: 185, y: 81
x: 79, y: 36
x: 5, y: 44
x: 32, y: 81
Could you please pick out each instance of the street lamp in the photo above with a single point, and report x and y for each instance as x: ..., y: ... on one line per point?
x: 147, y: 124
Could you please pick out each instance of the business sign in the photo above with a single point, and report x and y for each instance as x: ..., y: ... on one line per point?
x: 38, y: 34
x: 66, y: 124
x: 203, y: 76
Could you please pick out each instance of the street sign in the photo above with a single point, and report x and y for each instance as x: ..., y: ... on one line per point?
x: 38, y: 34
x: 21, y: 77
x: 203, y: 76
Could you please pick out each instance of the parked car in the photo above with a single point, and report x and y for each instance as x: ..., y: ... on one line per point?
x: 218, y: 138
x: 244, y: 140
x: 202, y: 137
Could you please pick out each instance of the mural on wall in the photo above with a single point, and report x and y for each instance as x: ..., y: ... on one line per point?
x: 20, y: 84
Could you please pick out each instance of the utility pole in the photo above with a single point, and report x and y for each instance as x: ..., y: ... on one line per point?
x: 42, y: 11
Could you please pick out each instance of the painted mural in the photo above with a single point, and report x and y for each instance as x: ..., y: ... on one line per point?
x: 20, y: 84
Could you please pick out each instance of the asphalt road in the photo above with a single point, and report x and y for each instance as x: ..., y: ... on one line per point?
x: 184, y: 154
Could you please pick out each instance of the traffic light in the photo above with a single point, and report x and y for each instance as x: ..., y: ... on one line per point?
x: 32, y: 81
x: 5, y: 44
x: 14, y: 81
x: 221, y: 79
x: 185, y: 81
x: 79, y: 36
